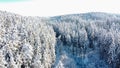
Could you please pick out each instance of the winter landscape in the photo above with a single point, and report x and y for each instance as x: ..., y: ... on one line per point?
x: 88, y: 40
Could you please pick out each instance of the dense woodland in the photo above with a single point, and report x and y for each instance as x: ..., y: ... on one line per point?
x: 90, y: 40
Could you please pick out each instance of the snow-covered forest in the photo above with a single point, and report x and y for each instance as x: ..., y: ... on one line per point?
x: 90, y: 40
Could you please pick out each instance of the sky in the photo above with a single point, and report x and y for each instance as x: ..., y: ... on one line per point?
x: 59, y: 7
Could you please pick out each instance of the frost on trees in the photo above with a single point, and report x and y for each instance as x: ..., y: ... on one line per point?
x: 90, y: 40
x: 25, y: 42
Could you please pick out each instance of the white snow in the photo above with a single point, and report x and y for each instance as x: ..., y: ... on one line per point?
x: 90, y: 40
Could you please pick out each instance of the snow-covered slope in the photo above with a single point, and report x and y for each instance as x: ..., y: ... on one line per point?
x: 25, y: 42
x: 90, y: 40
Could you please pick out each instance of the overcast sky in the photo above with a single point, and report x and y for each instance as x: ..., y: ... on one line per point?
x: 59, y: 7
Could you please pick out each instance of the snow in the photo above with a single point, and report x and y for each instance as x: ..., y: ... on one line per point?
x: 90, y: 40
x: 25, y: 42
